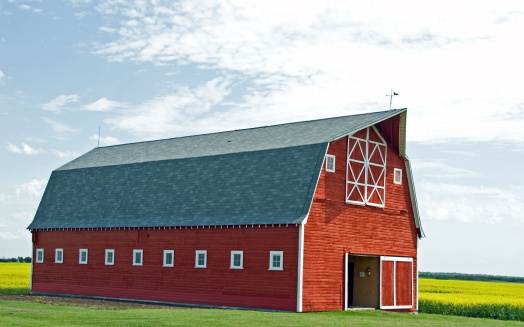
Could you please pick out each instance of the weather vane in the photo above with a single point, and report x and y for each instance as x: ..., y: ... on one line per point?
x: 391, y: 97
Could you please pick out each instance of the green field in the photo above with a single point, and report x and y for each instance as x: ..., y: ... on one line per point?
x: 472, y: 298
x: 14, y: 279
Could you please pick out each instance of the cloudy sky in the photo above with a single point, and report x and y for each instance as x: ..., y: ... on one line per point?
x: 159, y: 69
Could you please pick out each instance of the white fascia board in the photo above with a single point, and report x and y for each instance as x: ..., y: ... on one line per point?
x: 413, y: 196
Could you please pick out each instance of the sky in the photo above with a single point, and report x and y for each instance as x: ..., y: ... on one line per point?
x: 146, y: 70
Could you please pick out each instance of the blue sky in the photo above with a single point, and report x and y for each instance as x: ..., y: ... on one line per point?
x: 157, y: 69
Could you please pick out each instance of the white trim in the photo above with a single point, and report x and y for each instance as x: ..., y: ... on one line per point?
x: 273, y: 254
x: 32, y: 260
x: 346, y: 255
x: 399, y: 180
x: 41, y: 260
x: 232, y: 263
x: 80, y: 261
x: 172, y: 253
x: 204, y: 252
x: 107, y: 262
x: 330, y: 159
x: 135, y: 262
x: 300, y: 275
x: 61, y: 251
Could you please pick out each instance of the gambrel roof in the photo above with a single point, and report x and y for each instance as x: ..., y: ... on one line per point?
x: 264, y: 175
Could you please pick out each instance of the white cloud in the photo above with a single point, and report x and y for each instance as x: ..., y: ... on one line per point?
x: 8, y: 236
x: 105, y: 141
x: 65, y: 155
x: 2, y: 75
x: 23, y: 149
x: 58, y: 103
x: 29, y: 8
x: 103, y: 104
x: 458, y: 68
x: 81, y: 14
x: 33, y: 189
x: 442, y: 170
x: 107, y: 29
x: 59, y: 128
x: 175, y: 113
x: 470, y: 204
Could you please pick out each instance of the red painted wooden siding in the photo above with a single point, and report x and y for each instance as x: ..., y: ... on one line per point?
x: 253, y: 287
x: 334, y: 228
x: 403, y: 283
x: 388, y: 295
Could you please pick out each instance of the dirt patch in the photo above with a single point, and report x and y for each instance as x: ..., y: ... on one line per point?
x: 85, y: 303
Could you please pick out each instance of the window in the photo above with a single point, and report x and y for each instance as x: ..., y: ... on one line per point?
x: 330, y: 163
x: 276, y: 260
x: 82, y: 258
x: 59, y: 255
x: 366, y: 168
x: 138, y: 257
x: 39, y: 255
x: 201, y: 259
x: 169, y: 256
x: 397, y: 176
x: 237, y: 260
x: 110, y: 257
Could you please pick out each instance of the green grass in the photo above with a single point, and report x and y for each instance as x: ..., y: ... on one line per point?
x: 15, y: 278
x: 13, y: 313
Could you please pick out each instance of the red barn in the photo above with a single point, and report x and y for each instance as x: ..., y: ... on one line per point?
x: 309, y: 216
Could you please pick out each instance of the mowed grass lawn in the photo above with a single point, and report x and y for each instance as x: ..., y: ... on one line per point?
x: 14, y: 279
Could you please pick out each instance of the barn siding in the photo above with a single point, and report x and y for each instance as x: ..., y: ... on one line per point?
x: 253, y: 287
x: 334, y: 228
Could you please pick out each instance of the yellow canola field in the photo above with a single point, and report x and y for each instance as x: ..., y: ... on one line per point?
x: 472, y: 298
x: 15, y: 278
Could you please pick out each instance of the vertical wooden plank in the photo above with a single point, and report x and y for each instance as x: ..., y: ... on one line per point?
x: 403, y: 283
x: 388, y: 295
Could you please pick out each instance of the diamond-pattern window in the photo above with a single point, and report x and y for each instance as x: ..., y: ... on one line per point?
x: 366, y: 171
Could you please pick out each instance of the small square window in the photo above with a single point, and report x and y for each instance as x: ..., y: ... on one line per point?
x: 59, y: 255
x: 330, y: 163
x: 397, y: 178
x: 110, y: 257
x: 169, y: 256
x: 276, y: 260
x: 39, y: 255
x: 237, y: 260
x: 138, y: 257
x: 82, y: 257
x: 201, y: 259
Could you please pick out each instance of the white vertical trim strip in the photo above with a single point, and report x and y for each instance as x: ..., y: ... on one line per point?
x: 346, y: 281
x: 300, y: 266
x: 32, y: 260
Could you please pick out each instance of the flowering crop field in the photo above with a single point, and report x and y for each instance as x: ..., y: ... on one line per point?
x: 472, y: 298
x: 15, y: 278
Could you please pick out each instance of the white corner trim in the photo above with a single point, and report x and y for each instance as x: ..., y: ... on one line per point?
x: 300, y: 275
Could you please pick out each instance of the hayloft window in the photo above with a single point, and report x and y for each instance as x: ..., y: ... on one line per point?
x: 276, y: 260
x: 110, y: 257
x: 330, y: 163
x: 82, y: 257
x: 39, y: 255
x: 201, y: 259
x: 366, y: 168
x: 237, y: 260
x: 169, y: 256
x: 59, y: 255
x: 138, y: 257
x: 397, y: 176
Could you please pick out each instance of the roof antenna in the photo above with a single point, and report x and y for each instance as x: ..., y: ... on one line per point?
x: 98, y: 137
x: 391, y: 97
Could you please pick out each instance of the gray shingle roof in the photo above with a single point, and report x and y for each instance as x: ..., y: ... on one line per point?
x: 264, y: 175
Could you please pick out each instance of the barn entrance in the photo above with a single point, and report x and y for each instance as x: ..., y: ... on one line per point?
x: 362, y: 282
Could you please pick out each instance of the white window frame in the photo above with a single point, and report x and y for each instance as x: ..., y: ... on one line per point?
x: 112, y: 262
x: 38, y: 252
x: 135, y: 262
x: 80, y: 256
x: 233, y: 253
x: 61, y: 251
x: 399, y: 180
x: 273, y: 254
x: 197, y: 252
x: 172, y: 253
x: 330, y: 158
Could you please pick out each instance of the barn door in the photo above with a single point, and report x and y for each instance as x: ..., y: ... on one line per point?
x: 396, y: 283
